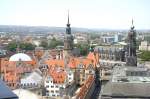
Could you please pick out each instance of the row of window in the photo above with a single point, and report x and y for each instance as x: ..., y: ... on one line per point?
x: 11, y: 84
x: 52, y: 91
x: 57, y: 81
x: 29, y: 84
x: 52, y: 86
x: 54, y: 95
x: 49, y: 81
x: 136, y: 74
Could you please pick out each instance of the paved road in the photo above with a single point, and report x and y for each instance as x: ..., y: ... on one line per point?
x: 96, y: 93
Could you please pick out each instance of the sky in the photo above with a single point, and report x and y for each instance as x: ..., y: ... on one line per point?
x: 99, y: 14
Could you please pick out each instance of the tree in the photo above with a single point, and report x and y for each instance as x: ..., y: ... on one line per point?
x: 23, y: 46
x: 44, y: 44
x: 145, y: 55
x: 27, y: 46
x: 84, y: 48
x: 12, y: 46
x: 53, y: 43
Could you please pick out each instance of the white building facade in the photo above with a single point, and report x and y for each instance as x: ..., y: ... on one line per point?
x: 144, y: 46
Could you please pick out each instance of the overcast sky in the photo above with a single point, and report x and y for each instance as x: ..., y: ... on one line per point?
x: 109, y: 14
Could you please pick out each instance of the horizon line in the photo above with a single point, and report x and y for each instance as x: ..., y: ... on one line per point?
x: 75, y: 27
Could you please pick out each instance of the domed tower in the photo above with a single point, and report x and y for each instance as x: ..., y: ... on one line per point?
x: 131, y: 57
x: 68, y: 41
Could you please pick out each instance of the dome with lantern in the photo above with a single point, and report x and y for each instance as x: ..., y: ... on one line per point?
x: 20, y: 57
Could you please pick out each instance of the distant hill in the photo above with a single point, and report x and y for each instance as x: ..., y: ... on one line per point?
x: 46, y: 29
x: 39, y: 29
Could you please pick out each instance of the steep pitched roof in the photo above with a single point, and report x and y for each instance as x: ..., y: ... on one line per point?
x: 94, y: 57
x: 85, y: 88
x: 58, y: 75
x: 55, y: 62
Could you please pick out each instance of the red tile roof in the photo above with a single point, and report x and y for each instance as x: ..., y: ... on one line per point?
x: 85, y: 88
x: 58, y: 75
x: 75, y: 61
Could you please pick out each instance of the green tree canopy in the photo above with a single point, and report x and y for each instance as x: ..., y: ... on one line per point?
x: 27, y: 46
x: 12, y: 46
x: 53, y: 43
x: 84, y: 48
x: 44, y: 44
x: 23, y: 46
x: 145, y: 55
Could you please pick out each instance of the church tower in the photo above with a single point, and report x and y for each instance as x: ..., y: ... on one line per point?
x: 131, y: 57
x: 68, y: 41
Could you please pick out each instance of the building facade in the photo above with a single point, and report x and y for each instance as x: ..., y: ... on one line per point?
x: 145, y: 46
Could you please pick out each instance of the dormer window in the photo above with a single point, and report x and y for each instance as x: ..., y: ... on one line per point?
x: 80, y: 66
x: 90, y: 67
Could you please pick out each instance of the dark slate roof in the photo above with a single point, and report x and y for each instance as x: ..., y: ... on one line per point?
x: 5, y: 92
x: 134, y: 90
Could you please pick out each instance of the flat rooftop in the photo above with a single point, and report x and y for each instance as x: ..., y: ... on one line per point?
x: 128, y: 90
x: 132, y: 79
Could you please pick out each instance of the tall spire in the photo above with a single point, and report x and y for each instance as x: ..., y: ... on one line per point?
x: 132, y: 21
x: 68, y: 16
x: 132, y: 26
x: 131, y: 58
x: 68, y: 29
x: 68, y: 40
x: 68, y: 24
